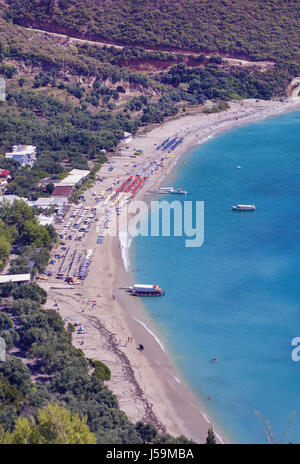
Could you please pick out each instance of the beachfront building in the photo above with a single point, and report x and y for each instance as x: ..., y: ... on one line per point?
x: 65, y: 187
x: 75, y: 177
x: 43, y: 202
x: 62, y: 192
x: 14, y: 278
x: 58, y: 203
x: 23, y: 154
x: 11, y: 198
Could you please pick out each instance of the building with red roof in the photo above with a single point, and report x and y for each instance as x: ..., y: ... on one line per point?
x: 4, y: 172
x: 62, y: 191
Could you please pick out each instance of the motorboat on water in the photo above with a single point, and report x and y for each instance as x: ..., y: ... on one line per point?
x: 244, y: 208
x: 172, y: 190
x: 178, y: 191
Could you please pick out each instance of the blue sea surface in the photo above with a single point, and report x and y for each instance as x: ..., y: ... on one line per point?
x: 237, y: 297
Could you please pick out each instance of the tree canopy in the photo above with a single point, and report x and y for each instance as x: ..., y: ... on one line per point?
x: 54, y: 425
x: 244, y: 28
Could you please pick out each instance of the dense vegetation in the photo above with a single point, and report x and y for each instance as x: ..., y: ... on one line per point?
x: 54, y: 425
x: 74, y: 101
x: 72, y: 106
x: 213, y: 83
x: 19, y: 227
x: 257, y: 29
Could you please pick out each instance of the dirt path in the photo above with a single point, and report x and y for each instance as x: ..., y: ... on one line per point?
x: 230, y: 61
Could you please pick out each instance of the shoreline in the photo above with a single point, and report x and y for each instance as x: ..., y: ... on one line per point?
x: 150, y: 378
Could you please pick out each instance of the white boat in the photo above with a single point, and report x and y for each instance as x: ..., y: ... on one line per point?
x: 244, y: 208
x: 166, y: 189
x: 178, y: 191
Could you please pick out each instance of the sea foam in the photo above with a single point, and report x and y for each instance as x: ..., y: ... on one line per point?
x: 125, y: 242
x: 151, y: 333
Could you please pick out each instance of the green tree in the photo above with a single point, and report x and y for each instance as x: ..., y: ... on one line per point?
x: 9, y: 394
x: 34, y: 233
x: 17, y: 213
x: 7, y: 288
x: 49, y: 188
x: 30, y: 291
x: 147, y: 431
x: 101, y: 370
x: 55, y: 425
x: 17, y: 373
x: 4, y: 250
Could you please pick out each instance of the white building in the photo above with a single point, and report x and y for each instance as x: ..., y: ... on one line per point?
x: 58, y: 203
x: 12, y: 198
x: 14, y: 278
x: 47, y: 202
x: 24, y: 154
x: 75, y: 177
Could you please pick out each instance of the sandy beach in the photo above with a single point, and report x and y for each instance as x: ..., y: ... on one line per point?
x: 147, y: 384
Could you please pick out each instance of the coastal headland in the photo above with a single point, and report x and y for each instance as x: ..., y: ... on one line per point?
x: 147, y: 384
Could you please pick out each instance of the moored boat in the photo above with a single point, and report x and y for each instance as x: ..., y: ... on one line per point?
x: 146, y: 290
x: 178, y: 191
x: 172, y: 190
x: 244, y: 208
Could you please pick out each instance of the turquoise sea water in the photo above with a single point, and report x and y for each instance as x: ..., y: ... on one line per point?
x: 236, y: 298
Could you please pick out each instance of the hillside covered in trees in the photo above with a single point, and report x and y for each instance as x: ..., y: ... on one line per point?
x: 74, y: 100
x: 258, y: 29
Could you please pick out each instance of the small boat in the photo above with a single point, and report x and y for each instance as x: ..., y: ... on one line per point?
x: 178, y: 191
x: 244, y: 208
x: 166, y: 189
